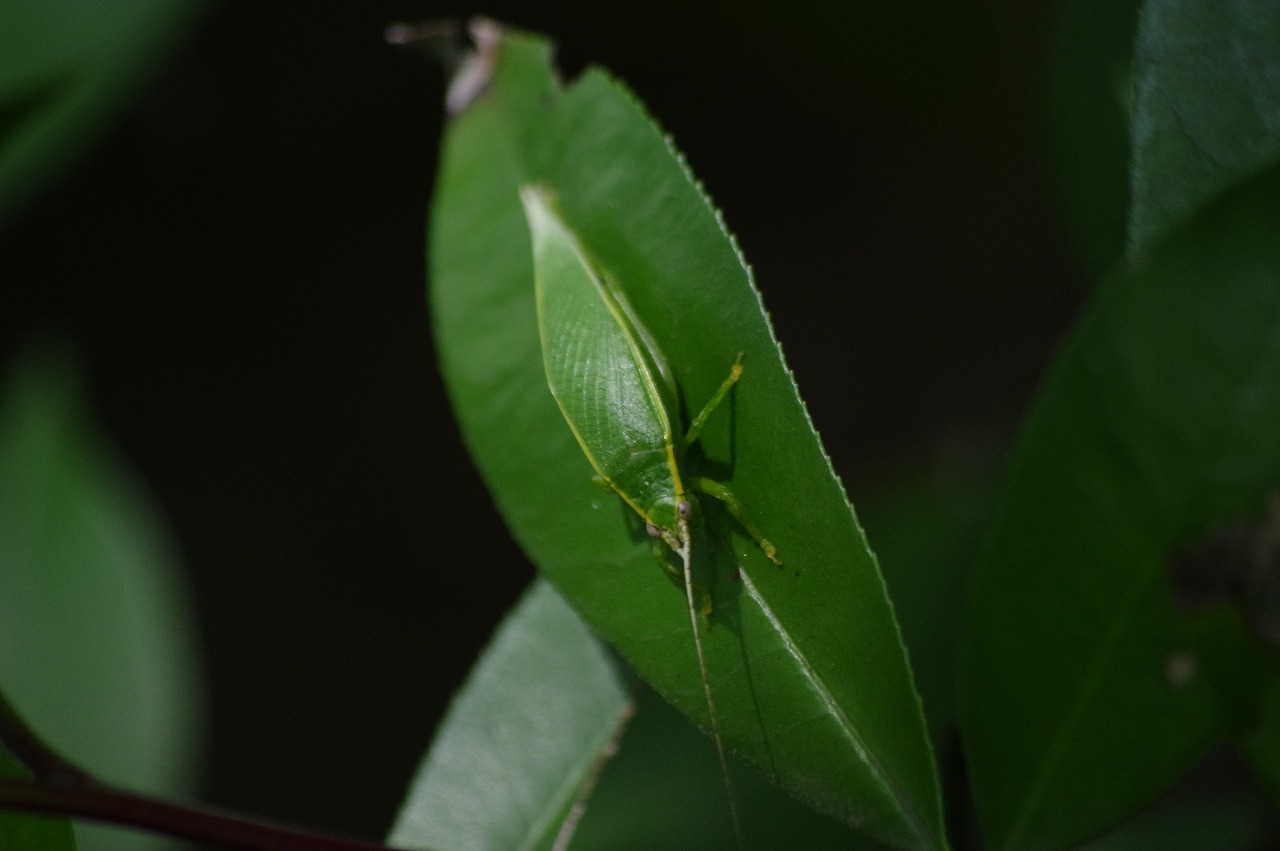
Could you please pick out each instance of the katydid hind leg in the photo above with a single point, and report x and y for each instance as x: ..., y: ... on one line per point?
x: 715, y: 489
x: 695, y: 428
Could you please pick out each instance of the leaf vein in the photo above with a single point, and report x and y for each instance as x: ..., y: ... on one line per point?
x: 833, y: 707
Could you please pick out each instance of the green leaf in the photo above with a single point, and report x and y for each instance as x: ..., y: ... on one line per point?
x: 524, y: 740
x: 806, y: 664
x: 96, y: 644
x: 1206, y: 107
x: 1087, y: 690
x: 27, y: 832
x: 65, y: 70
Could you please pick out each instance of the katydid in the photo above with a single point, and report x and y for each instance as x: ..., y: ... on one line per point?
x: 619, y: 397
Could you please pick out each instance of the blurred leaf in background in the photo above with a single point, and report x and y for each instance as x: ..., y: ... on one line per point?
x: 97, y: 646
x: 1088, y: 690
x: 66, y: 69
x: 1093, y: 679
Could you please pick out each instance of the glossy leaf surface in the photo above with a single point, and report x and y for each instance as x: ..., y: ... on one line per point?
x: 1206, y: 107
x: 96, y: 645
x: 1088, y: 688
x: 806, y: 663
x: 524, y: 740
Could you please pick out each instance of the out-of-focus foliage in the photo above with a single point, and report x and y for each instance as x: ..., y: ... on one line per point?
x: 96, y: 642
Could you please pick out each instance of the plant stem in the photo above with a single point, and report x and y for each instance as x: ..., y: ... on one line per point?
x: 103, y: 803
x: 58, y: 787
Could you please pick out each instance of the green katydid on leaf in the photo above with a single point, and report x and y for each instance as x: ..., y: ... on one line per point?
x: 615, y: 389
x: 810, y: 679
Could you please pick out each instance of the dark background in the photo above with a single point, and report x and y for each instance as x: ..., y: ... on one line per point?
x: 239, y: 265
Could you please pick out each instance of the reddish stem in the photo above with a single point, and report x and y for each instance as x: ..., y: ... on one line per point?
x: 59, y: 787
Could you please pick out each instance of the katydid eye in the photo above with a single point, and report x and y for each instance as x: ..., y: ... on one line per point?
x: 684, y: 510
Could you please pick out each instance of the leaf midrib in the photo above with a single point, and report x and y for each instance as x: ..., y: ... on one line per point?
x: 846, y: 725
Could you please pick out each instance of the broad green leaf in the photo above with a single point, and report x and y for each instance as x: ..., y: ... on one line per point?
x: 1087, y: 689
x: 1206, y: 107
x: 27, y: 832
x: 96, y: 644
x: 65, y: 69
x: 524, y: 741
x: 806, y: 664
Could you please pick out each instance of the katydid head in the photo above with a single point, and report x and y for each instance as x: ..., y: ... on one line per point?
x: 670, y: 520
